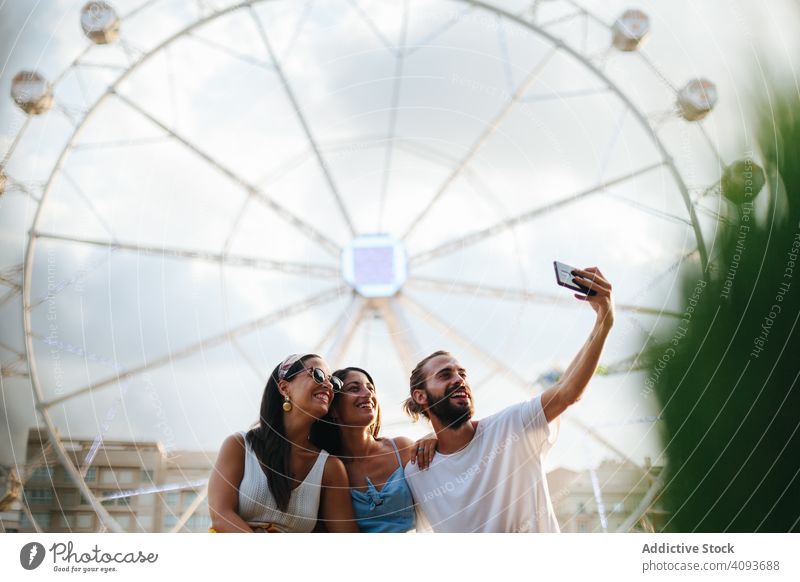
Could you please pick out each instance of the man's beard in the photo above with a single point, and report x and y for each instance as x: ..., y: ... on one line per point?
x: 450, y: 414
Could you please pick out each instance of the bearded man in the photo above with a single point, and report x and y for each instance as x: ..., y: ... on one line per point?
x: 488, y: 475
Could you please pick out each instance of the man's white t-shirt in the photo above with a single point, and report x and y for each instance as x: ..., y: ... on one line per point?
x: 494, y: 484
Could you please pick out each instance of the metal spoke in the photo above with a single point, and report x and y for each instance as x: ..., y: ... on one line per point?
x: 154, y: 489
x: 612, y: 144
x: 197, y: 502
x: 661, y: 76
x: 372, y: 26
x: 209, y: 343
x: 407, y: 346
x: 502, y: 41
x: 664, y: 273
x: 488, y: 291
x: 26, y: 508
x: 564, y: 95
x: 8, y: 296
x: 14, y: 185
x: 645, y: 503
x: 398, y: 79
x: 80, y: 275
x: 89, y: 203
x: 85, y: 65
x: 271, y: 203
x: 346, y: 334
x: 630, y: 364
x: 122, y: 143
x: 496, y: 365
x: 711, y: 145
x: 502, y: 226
x: 9, y: 275
x: 298, y: 160
x: 640, y: 118
x: 288, y: 267
x: 232, y: 53
x: 303, y: 123
x: 562, y: 19
x: 483, y: 138
x: 14, y: 369
x: 17, y: 138
x: 439, y: 31
x: 715, y: 215
x: 259, y: 374
x: 648, y: 209
x: 338, y: 324
x: 142, y: 6
x: 425, y: 152
x: 301, y: 23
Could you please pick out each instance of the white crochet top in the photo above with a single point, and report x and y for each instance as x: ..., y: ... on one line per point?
x: 257, y: 505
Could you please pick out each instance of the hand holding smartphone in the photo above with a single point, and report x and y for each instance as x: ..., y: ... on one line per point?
x: 565, y: 278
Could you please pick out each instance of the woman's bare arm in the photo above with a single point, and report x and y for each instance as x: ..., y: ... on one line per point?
x: 223, y: 487
x: 336, y: 506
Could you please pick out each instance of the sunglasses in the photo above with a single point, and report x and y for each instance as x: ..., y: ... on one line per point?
x: 319, y: 377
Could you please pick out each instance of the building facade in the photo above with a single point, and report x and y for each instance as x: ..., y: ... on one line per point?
x: 143, y: 486
x: 602, y: 499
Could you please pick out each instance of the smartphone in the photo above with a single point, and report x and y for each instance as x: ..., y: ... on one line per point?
x: 565, y: 279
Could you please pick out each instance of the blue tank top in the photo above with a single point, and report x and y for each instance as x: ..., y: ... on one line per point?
x: 390, y: 510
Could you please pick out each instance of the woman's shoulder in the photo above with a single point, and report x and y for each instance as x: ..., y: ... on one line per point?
x: 233, y: 443
x: 334, y: 472
x: 405, y: 447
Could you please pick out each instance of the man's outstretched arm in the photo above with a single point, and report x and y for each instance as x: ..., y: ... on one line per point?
x: 573, y: 382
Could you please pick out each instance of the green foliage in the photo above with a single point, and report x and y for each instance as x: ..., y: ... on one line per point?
x: 728, y: 377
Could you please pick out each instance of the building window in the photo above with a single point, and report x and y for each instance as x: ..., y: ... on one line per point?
x: 126, y: 476
x: 43, y: 474
x: 39, y: 496
x: 68, y: 497
x: 198, y: 523
x: 68, y: 519
x: 172, y: 498
x: 43, y: 519
x: 107, y: 477
x: 169, y: 521
x: 124, y: 521
x: 145, y: 522
x: 91, y: 475
x: 148, y: 477
x: 85, y: 521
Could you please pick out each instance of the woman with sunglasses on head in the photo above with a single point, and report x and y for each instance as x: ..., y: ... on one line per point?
x: 381, y: 497
x: 275, y: 477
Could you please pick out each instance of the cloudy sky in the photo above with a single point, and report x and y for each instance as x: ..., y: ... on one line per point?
x: 201, y: 141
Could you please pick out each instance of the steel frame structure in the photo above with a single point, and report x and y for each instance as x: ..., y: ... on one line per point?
x: 392, y: 310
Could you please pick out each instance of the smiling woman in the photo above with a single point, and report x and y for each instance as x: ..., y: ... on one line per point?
x: 275, y: 478
x: 382, y: 501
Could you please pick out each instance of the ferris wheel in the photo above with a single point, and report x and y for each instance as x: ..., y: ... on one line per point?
x: 362, y: 179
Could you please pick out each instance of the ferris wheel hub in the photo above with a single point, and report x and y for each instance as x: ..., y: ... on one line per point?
x: 375, y: 265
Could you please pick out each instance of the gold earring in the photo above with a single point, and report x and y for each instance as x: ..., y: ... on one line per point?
x: 287, y: 404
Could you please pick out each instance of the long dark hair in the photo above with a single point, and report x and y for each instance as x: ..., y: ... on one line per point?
x: 268, y: 438
x: 326, y: 433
